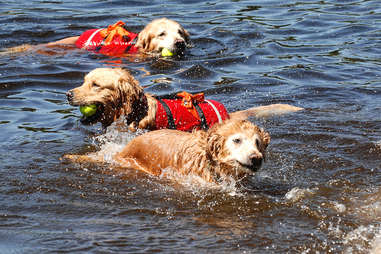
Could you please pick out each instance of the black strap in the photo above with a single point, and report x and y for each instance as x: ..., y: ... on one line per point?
x: 172, y: 96
x: 204, y: 124
x: 132, y: 43
x: 171, y: 122
x: 99, y: 47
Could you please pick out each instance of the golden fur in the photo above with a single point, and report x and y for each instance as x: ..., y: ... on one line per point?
x: 158, y: 34
x: 234, y: 148
x: 163, y: 33
x: 117, y: 93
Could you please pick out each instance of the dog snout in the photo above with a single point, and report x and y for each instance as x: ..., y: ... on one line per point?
x: 255, y: 156
x: 70, y: 95
x: 256, y: 159
x: 180, y: 44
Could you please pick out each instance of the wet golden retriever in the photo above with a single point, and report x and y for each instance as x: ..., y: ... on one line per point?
x: 117, y: 93
x: 232, y: 149
x: 158, y: 34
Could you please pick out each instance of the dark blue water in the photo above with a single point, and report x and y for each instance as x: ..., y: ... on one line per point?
x: 318, y: 192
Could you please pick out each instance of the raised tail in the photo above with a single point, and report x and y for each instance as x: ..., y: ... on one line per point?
x: 265, y: 111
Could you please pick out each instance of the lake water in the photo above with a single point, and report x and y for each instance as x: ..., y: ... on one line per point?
x: 319, y: 190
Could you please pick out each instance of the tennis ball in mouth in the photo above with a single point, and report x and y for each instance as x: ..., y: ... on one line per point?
x: 166, y: 52
x: 88, y: 110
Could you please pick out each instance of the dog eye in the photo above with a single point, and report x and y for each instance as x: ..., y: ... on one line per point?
x: 96, y: 85
x: 181, y: 32
x: 237, y: 141
x: 162, y: 34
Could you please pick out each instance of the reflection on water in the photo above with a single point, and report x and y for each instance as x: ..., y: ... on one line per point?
x: 319, y: 190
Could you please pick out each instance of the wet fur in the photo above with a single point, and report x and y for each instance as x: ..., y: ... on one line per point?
x: 119, y: 94
x: 206, y: 154
x: 156, y: 35
x: 163, y: 33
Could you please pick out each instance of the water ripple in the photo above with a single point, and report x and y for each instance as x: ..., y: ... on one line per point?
x: 318, y: 191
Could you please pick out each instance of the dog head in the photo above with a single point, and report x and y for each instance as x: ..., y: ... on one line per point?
x: 163, y: 33
x: 114, y: 91
x: 239, y: 145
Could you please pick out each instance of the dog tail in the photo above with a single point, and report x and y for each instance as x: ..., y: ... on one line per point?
x: 265, y: 111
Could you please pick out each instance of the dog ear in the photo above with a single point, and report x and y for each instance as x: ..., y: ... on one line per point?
x: 144, y: 40
x: 186, y: 36
x: 129, y: 91
x: 265, y: 138
x: 214, y: 144
x: 129, y: 85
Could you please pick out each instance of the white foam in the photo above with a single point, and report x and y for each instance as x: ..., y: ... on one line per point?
x: 378, y: 144
x: 296, y: 194
x: 357, y: 241
x: 376, y: 245
x: 340, y: 208
x: 113, y: 141
x: 198, y: 185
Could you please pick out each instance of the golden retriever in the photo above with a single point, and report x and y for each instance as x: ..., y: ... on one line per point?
x: 117, y: 93
x: 158, y: 34
x: 232, y: 149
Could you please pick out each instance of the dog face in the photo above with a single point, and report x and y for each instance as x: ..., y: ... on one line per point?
x: 240, y: 145
x: 111, y: 90
x: 163, y: 33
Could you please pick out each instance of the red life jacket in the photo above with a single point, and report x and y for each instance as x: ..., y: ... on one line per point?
x: 113, y: 41
x: 172, y: 114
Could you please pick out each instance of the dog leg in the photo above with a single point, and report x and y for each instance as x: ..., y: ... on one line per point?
x: 17, y: 49
x: 133, y: 163
x: 67, y: 43
x: 77, y: 158
x: 264, y: 111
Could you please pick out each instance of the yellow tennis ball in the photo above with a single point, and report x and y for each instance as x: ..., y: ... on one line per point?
x: 166, y: 52
x: 88, y: 110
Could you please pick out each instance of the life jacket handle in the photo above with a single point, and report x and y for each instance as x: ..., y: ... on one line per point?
x: 111, y: 31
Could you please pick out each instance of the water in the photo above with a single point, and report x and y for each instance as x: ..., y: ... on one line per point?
x: 318, y: 192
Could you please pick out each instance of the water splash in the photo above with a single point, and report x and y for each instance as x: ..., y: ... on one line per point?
x: 114, y: 140
x: 296, y: 194
x: 117, y: 137
x: 199, y: 186
x: 376, y: 245
x: 363, y: 238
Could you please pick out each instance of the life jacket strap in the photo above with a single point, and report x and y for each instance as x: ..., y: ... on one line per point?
x: 88, y: 42
x: 216, y: 111
x: 204, y: 123
x: 131, y: 44
x: 171, y: 122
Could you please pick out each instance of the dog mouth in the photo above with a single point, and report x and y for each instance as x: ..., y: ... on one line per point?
x: 96, y: 117
x: 180, y: 47
x: 177, y: 49
x: 89, y: 119
x: 253, y: 167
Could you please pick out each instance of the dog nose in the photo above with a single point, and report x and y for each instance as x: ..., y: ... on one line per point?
x: 69, y: 95
x: 255, y: 156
